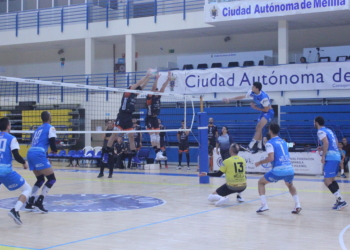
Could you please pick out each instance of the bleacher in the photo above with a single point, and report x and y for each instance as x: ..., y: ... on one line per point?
x: 297, y: 122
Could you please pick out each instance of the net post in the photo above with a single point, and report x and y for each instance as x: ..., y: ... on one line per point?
x: 185, y: 109
x: 203, y: 145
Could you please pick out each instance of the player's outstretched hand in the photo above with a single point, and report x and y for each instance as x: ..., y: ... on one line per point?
x: 257, y: 164
x: 25, y: 165
x: 226, y: 100
x: 202, y: 174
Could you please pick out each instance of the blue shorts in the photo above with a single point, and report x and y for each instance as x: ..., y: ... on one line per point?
x: 331, y: 169
x: 37, y: 159
x: 12, y: 181
x: 271, y: 177
x: 267, y: 115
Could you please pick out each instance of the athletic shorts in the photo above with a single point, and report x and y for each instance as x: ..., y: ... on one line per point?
x: 267, y: 115
x: 183, y: 147
x: 12, y: 181
x: 331, y: 169
x: 224, y: 190
x: 271, y: 177
x: 124, y: 121
x: 152, y: 122
x: 37, y: 159
x: 212, y: 142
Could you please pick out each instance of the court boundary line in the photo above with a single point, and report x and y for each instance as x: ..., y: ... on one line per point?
x: 341, y: 238
x: 158, y: 222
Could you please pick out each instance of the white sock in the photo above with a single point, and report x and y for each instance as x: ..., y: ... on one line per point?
x: 342, y: 171
x: 252, y: 143
x: 45, y: 191
x: 263, y: 200
x: 259, y: 144
x: 338, y: 195
x: 214, y: 197
x: 18, y: 205
x: 239, y: 194
x: 296, y: 200
x: 35, y: 190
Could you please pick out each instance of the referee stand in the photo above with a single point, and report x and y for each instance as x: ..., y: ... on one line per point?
x: 203, y: 144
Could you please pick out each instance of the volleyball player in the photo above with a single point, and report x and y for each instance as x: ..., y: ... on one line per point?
x: 182, y: 137
x: 153, y: 109
x: 10, y: 178
x: 162, y: 142
x: 124, y: 117
x: 43, y: 137
x: 262, y: 104
x: 236, y: 181
x: 330, y: 159
x: 282, y: 169
x: 109, y: 127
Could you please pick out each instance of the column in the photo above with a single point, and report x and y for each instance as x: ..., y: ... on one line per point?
x: 129, y: 53
x: 283, y: 42
x: 89, y: 68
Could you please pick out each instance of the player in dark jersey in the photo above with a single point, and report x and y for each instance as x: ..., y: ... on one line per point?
x: 124, y: 118
x: 212, y: 132
x: 162, y: 142
x: 182, y: 137
x: 153, y: 109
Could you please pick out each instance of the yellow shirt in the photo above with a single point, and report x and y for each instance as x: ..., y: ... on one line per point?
x: 234, y: 168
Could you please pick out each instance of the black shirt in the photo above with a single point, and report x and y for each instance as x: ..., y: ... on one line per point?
x: 119, y: 147
x: 153, y: 105
x: 212, y: 130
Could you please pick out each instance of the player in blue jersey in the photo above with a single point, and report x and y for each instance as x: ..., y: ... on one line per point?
x: 330, y: 159
x: 282, y: 168
x: 261, y: 103
x: 10, y: 178
x: 43, y: 137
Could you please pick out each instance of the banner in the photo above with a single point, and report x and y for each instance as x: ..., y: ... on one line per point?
x: 303, y: 163
x: 236, y: 10
x: 293, y: 77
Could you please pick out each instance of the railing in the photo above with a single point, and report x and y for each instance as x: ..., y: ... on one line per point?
x: 104, y: 11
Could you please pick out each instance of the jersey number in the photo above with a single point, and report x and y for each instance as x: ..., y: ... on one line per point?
x: 36, y: 137
x: 3, y: 145
x: 240, y: 168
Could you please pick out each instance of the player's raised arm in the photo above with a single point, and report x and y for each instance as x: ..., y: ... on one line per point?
x: 165, y: 84
x: 227, y: 100
x: 143, y: 81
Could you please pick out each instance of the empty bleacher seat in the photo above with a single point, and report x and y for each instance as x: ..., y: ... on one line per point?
x: 233, y: 64
x: 248, y: 63
x: 188, y: 66
x: 324, y: 59
x: 216, y: 65
x: 342, y: 58
x: 202, y: 66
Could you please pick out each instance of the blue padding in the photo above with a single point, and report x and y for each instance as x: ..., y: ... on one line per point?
x: 316, y: 108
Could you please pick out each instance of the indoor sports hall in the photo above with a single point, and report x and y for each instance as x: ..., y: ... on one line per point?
x: 164, y: 124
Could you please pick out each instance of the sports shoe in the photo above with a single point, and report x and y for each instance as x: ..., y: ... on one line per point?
x: 222, y: 201
x: 39, y: 204
x: 341, y: 204
x: 166, y: 166
x: 136, y: 160
x: 296, y: 210
x: 110, y: 176
x: 15, y: 216
x: 335, y: 205
x: 239, y: 198
x: 343, y: 175
x: 160, y: 156
x: 29, y: 204
x: 179, y: 167
x: 100, y: 175
x: 263, y: 208
x: 188, y: 168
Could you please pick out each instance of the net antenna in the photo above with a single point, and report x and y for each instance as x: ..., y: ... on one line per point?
x: 80, y: 108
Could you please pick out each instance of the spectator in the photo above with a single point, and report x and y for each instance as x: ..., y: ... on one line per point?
x: 105, y: 137
x: 119, y: 151
x: 303, y: 60
x: 212, y: 132
x: 224, y: 142
x: 346, y: 148
x: 342, y: 156
x: 264, y: 143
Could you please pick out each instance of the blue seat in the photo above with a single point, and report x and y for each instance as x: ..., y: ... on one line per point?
x: 89, y: 155
x: 98, y: 155
x: 61, y: 154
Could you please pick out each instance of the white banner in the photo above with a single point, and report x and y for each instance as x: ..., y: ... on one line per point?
x: 303, y: 163
x: 293, y: 77
x: 235, y: 10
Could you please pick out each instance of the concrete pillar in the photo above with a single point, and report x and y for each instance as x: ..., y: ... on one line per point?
x: 89, y: 69
x: 130, y: 53
x: 283, y: 42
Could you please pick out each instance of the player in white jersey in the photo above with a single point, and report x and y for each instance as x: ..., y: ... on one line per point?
x: 43, y: 137
x: 330, y: 159
x: 261, y: 103
x: 282, y: 168
x: 10, y: 178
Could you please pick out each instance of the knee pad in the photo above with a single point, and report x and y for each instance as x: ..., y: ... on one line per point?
x: 153, y: 137
x: 51, y: 179
x: 26, y: 190
x: 157, y: 138
x: 40, y: 180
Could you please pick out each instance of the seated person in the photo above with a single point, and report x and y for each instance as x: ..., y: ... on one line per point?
x: 119, y: 151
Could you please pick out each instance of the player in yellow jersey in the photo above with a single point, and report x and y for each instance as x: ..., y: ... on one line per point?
x: 236, y: 180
